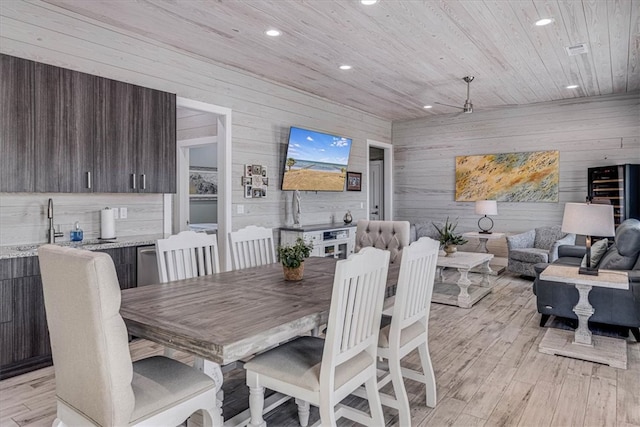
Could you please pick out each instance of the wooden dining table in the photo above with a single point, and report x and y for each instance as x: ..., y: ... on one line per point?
x: 226, y: 317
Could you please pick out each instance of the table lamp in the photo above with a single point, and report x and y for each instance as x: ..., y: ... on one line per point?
x: 590, y: 220
x: 486, y: 207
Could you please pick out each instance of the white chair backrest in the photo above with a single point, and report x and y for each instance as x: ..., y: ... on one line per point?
x: 89, y: 341
x: 356, y: 310
x: 186, y: 255
x: 252, y: 247
x: 415, y: 284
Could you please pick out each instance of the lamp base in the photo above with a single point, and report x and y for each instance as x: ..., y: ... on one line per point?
x: 485, y: 232
x: 588, y: 271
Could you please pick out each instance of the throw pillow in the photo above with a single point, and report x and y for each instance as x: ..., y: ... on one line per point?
x: 597, y: 250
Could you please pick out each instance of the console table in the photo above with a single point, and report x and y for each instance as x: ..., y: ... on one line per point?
x: 581, y: 344
x: 329, y: 240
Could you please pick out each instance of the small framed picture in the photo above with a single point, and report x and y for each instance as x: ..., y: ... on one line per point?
x: 264, y: 172
x: 248, y: 192
x: 248, y: 169
x: 265, y: 181
x: 256, y: 170
x: 246, y: 180
x: 354, y: 181
x: 256, y: 193
x: 256, y: 180
x: 263, y: 190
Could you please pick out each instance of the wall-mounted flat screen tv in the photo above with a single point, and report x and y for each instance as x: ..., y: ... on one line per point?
x: 315, y: 161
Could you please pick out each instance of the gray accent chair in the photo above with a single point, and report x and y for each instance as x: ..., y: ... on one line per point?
x: 535, y: 246
x: 617, y: 307
x: 391, y: 236
x: 96, y: 382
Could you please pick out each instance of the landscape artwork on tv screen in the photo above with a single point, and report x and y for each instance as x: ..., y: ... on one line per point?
x: 315, y: 161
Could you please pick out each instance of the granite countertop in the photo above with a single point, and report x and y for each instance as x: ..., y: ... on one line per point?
x: 27, y: 250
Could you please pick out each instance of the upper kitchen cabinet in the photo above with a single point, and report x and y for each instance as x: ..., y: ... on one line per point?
x: 65, y: 131
x: 17, y: 141
x: 65, y: 119
x: 135, y: 146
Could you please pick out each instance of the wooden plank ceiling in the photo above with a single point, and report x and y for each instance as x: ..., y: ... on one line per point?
x: 404, y: 54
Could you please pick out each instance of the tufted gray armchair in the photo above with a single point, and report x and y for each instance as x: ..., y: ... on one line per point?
x: 534, y: 246
x: 388, y: 235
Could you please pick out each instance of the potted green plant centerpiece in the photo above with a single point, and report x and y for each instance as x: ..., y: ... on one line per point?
x: 292, y: 258
x: 449, y: 239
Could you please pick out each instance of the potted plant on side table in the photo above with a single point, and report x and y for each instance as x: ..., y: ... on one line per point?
x: 292, y: 258
x: 449, y: 239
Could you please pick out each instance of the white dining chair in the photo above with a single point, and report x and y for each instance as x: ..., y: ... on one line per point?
x: 323, y: 372
x: 252, y: 246
x: 408, y: 329
x: 187, y: 254
x: 96, y: 381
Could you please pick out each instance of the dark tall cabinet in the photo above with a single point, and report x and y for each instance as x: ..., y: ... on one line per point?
x: 620, y: 185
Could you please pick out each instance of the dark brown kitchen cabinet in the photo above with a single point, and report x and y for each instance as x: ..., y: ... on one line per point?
x: 64, y: 129
x: 135, y: 140
x: 17, y: 141
x: 24, y: 335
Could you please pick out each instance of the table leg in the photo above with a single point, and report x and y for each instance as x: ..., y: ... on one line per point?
x: 584, y: 311
x: 463, y: 283
x: 483, y: 245
x: 213, y: 370
x: 486, y: 272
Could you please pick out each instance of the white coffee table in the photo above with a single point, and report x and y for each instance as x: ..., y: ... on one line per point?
x: 581, y: 344
x: 483, y: 238
x: 462, y: 293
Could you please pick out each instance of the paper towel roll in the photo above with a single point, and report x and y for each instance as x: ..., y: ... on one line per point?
x: 107, y: 224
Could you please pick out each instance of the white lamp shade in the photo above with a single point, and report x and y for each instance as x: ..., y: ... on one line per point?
x: 486, y: 207
x: 588, y: 219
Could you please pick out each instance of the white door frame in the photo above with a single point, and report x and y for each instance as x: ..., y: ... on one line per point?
x: 388, y: 177
x: 224, y: 173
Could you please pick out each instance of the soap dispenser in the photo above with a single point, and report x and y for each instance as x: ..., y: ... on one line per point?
x: 76, y: 234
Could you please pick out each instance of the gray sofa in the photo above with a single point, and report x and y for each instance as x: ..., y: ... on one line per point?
x: 534, y: 246
x: 612, y: 306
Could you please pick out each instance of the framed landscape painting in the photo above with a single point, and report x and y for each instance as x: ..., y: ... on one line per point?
x: 508, y: 177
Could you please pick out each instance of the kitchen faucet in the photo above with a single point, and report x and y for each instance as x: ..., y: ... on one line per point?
x: 52, y: 232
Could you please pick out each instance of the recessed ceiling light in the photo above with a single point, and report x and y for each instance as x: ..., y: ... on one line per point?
x: 273, y: 32
x: 345, y: 67
x: 544, y: 21
x: 572, y: 86
x: 368, y: 2
x: 428, y: 106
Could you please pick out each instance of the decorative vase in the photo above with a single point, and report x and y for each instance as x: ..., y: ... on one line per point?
x: 293, y: 274
x: 450, y: 249
x: 347, y: 218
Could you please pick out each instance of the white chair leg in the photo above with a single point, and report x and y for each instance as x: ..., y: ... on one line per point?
x: 256, y: 401
x: 402, y: 400
x: 430, y: 378
x: 303, y: 412
x: 169, y: 352
x: 375, y: 406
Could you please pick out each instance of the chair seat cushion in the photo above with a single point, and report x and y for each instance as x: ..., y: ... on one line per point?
x: 298, y: 363
x: 530, y: 255
x: 159, y: 383
x: 406, y: 336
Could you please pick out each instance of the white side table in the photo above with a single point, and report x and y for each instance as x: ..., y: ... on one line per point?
x: 581, y: 344
x: 483, y: 238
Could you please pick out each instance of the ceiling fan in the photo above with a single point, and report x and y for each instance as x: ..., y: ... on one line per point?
x: 468, y: 106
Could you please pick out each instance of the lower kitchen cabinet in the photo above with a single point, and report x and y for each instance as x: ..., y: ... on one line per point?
x: 23, y: 325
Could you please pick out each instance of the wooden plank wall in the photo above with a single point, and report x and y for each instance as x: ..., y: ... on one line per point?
x: 595, y: 131
x: 263, y: 111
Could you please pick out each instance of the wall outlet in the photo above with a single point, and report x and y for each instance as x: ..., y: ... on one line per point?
x: 116, y: 213
x: 240, y: 209
x: 123, y: 213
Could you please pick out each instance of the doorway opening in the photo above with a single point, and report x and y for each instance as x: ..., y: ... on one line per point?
x: 380, y: 180
x: 203, y: 197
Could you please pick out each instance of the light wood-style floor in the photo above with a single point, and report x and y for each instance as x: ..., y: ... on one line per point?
x: 488, y: 371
